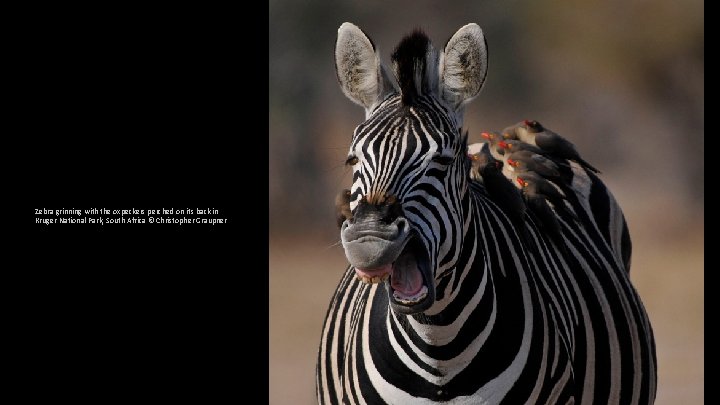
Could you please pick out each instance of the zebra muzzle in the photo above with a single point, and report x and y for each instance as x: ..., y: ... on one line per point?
x: 373, y: 244
x: 382, y: 247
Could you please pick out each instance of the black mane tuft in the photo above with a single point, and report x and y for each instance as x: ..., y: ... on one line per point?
x: 409, y: 61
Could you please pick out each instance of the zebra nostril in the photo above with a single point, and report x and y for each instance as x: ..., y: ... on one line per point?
x: 401, y: 224
x: 392, y: 208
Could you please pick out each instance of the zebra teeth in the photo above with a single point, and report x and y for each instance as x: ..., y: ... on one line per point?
x: 372, y: 280
x: 411, y: 300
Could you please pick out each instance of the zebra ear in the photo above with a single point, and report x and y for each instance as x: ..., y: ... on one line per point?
x: 463, y: 66
x: 362, y: 77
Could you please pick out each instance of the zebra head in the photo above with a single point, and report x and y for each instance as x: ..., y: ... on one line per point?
x: 408, y: 159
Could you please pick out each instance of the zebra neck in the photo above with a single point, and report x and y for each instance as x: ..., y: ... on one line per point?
x: 483, y: 283
x: 481, y: 322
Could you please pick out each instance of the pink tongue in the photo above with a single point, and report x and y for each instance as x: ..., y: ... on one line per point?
x: 406, y: 278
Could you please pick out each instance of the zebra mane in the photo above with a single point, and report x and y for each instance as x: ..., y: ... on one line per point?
x: 415, y: 64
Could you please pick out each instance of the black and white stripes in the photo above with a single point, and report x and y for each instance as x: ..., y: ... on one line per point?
x: 514, y: 320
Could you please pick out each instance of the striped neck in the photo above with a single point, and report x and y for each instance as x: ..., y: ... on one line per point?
x: 482, y: 306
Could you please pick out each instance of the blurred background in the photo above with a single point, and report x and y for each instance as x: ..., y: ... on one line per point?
x: 622, y: 79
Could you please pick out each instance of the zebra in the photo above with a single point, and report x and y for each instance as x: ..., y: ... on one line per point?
x: 443, y: 300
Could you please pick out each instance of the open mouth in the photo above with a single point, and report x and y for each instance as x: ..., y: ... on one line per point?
x: 406, y: 278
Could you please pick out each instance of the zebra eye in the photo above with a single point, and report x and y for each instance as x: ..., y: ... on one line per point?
x: 351, y: 161
x: 443, y: 160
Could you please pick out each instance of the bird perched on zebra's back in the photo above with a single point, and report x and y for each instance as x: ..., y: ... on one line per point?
x: 525, y: 160
x: 533, y: 184
x: 480, y: 156
x: 533, y: 133
x: 515, y: 145
x: 500, y: 189
x: 492, y: 139
x: 537, y: 192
